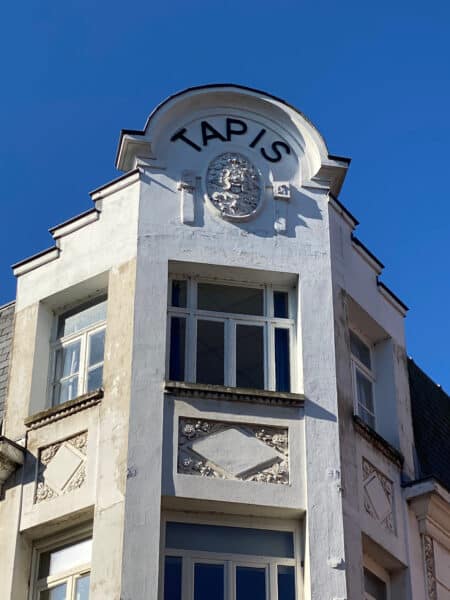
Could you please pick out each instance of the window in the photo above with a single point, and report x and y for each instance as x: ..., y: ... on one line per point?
x: 363, y: 379
x: 62, y: 572
x: 202, y: 562
x: 78, y: 352
x: 376, y: 586
x: 228, y: 334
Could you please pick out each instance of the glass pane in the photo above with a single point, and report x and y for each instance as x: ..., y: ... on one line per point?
x: 250, y: 583
x: 95, y: 379
x: 282, y: 360
x: 172, y: 578
x: 281, y: 305
x: 208, y: 582
x: 230, y: 299
x: 63, y: 559
x: 66, y: 390
x: 286, y: 583
x: 231, y: 540
x: 366, y: 417
x: 78, y: 319
x: 179, y: 293
x: 68, y: 360
x: 55, y: 593
x: 374, y: 586
x: 360, y: 349
x: 364, y: 391
x: 96, y: 347
x: 177, y: 348
x: 210, y: 352
x: 250, y: 356
x: 82, y: 588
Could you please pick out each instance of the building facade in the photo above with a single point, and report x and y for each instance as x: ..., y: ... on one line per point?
x: 206, y: 392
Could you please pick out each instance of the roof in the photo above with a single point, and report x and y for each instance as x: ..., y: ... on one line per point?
x: 430, y: 406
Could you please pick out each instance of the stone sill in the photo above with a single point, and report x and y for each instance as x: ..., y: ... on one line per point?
x: 221, y: 392
x: 55, y: 413
x: 378, y: 442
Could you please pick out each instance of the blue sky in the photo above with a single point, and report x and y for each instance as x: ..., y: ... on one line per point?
x: 374, y: 78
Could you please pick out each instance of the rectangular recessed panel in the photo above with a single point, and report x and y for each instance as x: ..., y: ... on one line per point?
x: 230, y: 540
x: 231, y: 299
x: 250, y: 583
x: 209, y: 582
x: 250, y: 356
x: 210, y: 352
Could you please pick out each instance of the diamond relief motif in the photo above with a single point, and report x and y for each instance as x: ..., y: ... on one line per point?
x: 229, y: 451
x: 62, y: 468
x: 378, y: 496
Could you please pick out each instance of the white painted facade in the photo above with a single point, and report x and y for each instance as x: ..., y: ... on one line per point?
x: 117, y: 463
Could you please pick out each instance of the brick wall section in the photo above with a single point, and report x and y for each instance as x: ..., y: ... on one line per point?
x: 6, y: 334
x: 431, y: 422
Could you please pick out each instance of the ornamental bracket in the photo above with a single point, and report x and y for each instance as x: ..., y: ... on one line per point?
x: 11, y: 458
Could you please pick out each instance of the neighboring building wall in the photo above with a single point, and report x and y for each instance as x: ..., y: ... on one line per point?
x: 6, y: 334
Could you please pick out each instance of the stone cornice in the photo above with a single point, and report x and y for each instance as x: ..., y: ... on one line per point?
x: 220, y: 392
x: 11, y: 457
x: 431, y: 504
x: 55, y: 413
x: 378, y: 442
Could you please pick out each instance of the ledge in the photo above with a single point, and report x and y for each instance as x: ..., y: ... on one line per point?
x: 378, y: 442
x: 221, y: 392
x: 11, y: 458
x: 55, y: 413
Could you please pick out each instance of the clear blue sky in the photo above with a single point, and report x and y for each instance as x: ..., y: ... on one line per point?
x: 373, y: 76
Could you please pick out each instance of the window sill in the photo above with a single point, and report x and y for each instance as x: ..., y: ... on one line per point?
x: 378, y: 442
x: 221, y: 392
x: 55, y: 413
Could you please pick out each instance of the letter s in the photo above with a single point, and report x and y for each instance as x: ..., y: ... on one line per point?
x: 275, y: 150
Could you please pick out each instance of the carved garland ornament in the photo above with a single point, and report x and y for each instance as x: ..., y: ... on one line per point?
x: 254, y: 442
x: 63, y: 481
x: 233, y: 185
x: 428, y: 554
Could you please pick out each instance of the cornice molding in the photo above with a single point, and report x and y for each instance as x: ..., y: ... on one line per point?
x: 56, y: 413
x: 220, y: 392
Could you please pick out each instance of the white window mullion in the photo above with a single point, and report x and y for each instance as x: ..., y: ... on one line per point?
x: 230, y: 580
x: 230, y: 353
x: 269, y: 357
x: 83, y: 367
x: 272, y: 583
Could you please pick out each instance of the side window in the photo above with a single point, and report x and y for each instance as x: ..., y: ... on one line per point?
x: 376, y: 587
x: 229, y: 334
x: 63, y: 572
x: 363, y: 379
x: 77, y: 354
x: 229, y: 563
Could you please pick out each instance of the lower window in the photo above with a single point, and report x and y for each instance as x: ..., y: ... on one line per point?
x: 63, y: 572
x: 376, y: 586
x: 215, y: 562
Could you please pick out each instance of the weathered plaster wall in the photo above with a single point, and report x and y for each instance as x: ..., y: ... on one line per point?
x: 6, y: 333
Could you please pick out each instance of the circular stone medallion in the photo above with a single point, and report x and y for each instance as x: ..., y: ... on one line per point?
x: 233, y: 185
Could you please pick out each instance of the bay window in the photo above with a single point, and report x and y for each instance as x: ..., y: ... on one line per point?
x: 237, y: 335
x: 78, y: 352
x: 202, y: 562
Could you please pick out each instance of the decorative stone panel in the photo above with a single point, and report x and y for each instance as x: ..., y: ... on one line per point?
x: 236, y: 451
x: 378, y: 496
x: 61, y: 467
x: 430, y: 569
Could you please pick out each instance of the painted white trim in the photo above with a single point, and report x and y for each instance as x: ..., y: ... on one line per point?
x: 76, y: 224
x: 34, y: 262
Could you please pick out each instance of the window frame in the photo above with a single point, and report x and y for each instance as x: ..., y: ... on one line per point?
x: 376, y: 569
x: 369, y: 374
x: 231, y: 561
x: 68, y: 577
x: 82, y: 335
x: 268, y: 321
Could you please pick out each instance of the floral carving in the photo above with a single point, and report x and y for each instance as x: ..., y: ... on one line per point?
x: 77, y: 450
x: 191, y: 462
x: 428, y: 554
x: 233, y: 185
